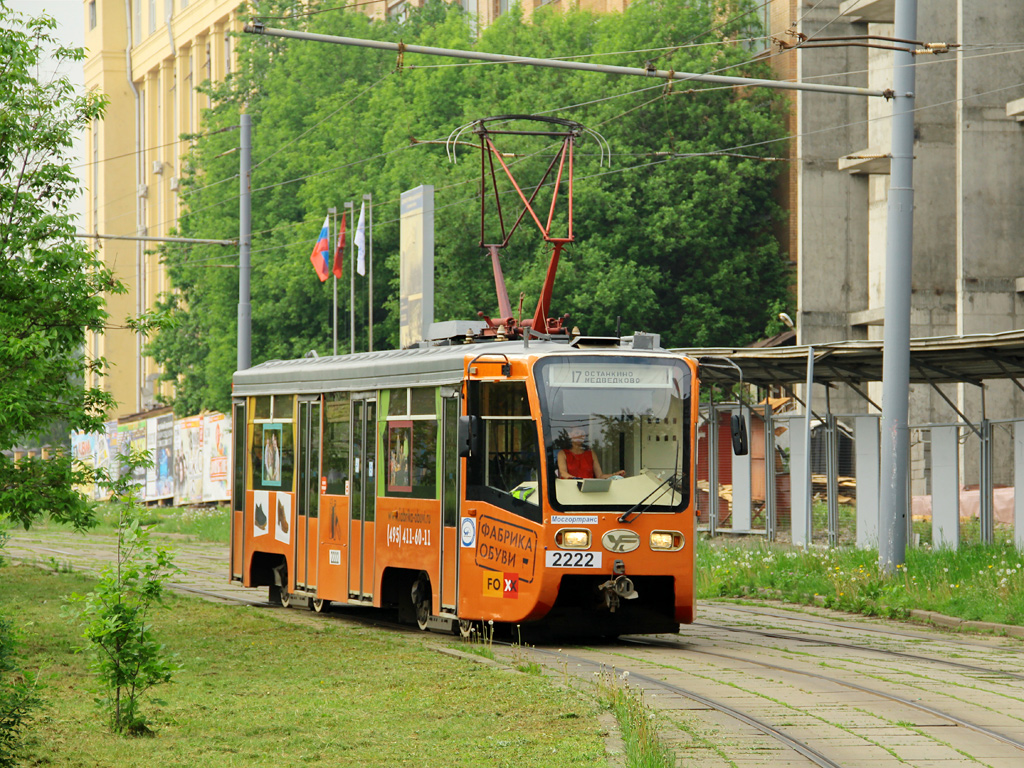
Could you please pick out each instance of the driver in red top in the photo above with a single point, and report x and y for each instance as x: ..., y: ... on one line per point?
x: 579, y: 462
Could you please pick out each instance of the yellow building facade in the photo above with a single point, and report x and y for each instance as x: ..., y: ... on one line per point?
x: 147, y: 57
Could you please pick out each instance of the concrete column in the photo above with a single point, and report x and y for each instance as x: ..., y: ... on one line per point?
x: 945, y: 487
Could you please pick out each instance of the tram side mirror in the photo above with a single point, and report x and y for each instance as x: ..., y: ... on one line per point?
x: 739, y: 435
x: 469, y: 435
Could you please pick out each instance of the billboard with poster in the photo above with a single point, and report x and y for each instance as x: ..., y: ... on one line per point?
x: 216, y: 457
x: 188, y: 461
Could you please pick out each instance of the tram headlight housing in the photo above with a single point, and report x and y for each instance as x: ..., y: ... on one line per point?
x: 571, y: 538
x: 667, y: 541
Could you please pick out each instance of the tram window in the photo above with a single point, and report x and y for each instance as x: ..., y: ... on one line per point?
x: 507, y: 471
x: 411, y: 464
x: 398, y: 402
x: 504, y: 399
x: 336, y: 439
x: 399, y: 464
x: 273, y: 456
x: 631, y: 413
x: 423, y: 401
x: 284, y: 407
x: 238, y: 450
x: 262, y: 407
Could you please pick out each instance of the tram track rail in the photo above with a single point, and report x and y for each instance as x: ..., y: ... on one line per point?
x: 764, y: 612
x: 934, y: 712
x: 651, y: 683
x: 816, y: 640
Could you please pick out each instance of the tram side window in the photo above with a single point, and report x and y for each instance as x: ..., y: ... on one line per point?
x: 411, y: 458
x: 507, y: 471
x: 272, y: 443
x: 336, y: 440
x: 273, y: 456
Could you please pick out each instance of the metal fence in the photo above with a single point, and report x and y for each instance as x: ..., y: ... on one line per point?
x: 817, y: 481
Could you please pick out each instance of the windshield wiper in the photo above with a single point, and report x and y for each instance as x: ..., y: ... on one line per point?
x: 672, y: 480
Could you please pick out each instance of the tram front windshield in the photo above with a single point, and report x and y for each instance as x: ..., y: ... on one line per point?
x: 622, y: 426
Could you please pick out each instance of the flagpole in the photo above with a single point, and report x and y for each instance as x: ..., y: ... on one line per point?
x: 369, y: 334
x: 352, y: 281
x: 334, y: 239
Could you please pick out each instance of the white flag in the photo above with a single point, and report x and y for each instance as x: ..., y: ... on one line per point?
x: 360, y: 241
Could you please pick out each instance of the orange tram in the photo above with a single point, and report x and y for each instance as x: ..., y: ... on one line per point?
x: 426, y: 481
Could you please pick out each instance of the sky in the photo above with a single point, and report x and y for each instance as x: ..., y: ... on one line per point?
x: 70, y: 16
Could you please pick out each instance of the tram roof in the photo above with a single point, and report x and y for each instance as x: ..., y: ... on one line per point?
x: 933, y: 360
x: 424, y: 366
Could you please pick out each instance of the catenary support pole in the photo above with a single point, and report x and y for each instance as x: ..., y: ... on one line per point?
x: 244, y: 244
x: 895, y: 448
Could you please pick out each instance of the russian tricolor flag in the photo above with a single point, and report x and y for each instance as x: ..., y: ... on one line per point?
x: 322, y: 251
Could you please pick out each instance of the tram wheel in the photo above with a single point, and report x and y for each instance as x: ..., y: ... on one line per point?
x: 421, y: 602
x: 286, y: 598
x: 319, y: 605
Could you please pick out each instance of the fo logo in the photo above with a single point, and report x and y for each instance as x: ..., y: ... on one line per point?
x: 621, y: 540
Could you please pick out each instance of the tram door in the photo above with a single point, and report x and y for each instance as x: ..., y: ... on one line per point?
x: 363, y: 508
x: 238, y: 489
x: 449, y: 537
x: 307, y: 515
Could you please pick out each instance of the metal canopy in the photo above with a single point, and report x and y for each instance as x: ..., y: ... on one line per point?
x: 937, y: 360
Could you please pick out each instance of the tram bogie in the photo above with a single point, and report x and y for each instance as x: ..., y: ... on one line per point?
x: 497, y: 482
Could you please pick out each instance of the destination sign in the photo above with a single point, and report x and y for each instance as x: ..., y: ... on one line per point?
x: 617, y: 375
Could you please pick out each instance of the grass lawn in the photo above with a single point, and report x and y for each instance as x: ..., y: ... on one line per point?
x: 261, y: 688
x: 204, y: 523
x: 977, y: 582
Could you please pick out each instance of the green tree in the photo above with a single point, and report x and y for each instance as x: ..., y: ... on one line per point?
x: 51, y: 285
x: 673, y: 237
x: 125, y: 653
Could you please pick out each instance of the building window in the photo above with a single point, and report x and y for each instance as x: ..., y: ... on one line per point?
x: 92, y: 14
x: 152, y: 16
x: 227, y: 52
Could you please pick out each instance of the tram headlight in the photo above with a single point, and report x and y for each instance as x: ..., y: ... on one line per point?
x: 667, y: 541
x: 573, y: 539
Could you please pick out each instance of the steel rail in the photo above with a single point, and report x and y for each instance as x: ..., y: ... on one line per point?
x: 793, y: 743
x: 846, y: 684
x: 854, y: 646
x: 768, y: 613
x: 257, y: 28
